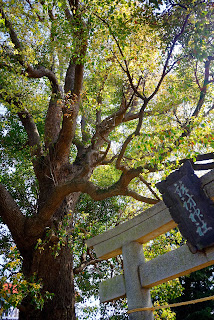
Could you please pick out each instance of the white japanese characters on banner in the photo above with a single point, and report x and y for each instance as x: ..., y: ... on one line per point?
x: 190, y: 205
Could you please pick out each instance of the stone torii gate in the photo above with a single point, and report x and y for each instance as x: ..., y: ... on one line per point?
x: 139, y: 276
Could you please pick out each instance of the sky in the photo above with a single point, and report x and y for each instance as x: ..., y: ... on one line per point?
x: 2, y: 109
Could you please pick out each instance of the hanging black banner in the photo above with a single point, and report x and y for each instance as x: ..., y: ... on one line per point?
x: 189, y: 207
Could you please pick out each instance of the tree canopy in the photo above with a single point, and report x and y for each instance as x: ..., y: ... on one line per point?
x: 103, y: 98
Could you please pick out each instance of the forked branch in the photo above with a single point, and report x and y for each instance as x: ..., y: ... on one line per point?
x: 35, y: 225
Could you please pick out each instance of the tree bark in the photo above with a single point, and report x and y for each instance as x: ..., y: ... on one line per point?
x: 52, y: 262
x: 58, y: 278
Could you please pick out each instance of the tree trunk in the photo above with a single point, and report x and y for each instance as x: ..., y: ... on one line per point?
x: 57, y: 278
x: 52, y: 262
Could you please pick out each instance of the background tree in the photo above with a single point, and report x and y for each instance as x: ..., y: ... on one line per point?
x: 197, y: 285
x: 91, y: 87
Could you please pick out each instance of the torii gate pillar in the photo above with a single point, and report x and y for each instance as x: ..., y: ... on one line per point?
x: 137, y: 297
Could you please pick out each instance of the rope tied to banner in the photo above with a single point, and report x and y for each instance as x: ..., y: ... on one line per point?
x: 179, y: 304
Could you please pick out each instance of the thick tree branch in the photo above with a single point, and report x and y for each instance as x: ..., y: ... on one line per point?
x: 53, y: 121
x: 12, y: 216
x: 73, y: 88
x: 35, y: 225
x: 41, y: 72
x: 67, y: 133
x: 70, y: 78
x: 85, y: 133
x: 32, y: 132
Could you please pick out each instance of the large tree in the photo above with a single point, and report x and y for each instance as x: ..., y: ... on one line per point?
x: 93, y: 87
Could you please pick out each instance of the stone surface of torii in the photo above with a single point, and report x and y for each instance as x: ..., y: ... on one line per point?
x: 139, y: 276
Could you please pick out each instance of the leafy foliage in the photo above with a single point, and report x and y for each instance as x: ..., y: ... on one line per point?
x: 14, y: 291
x: 103, y: 99
x: 197, y: 285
